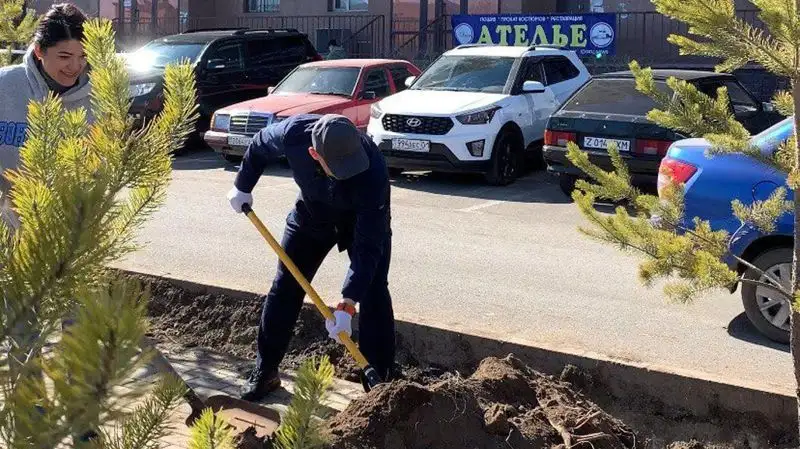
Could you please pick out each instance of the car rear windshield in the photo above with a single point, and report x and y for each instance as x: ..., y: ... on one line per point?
x: 613, y: 96
x: 320, y: 80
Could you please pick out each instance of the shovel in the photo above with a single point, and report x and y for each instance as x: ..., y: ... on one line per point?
x: 371, y: 376
x: 238, y: 413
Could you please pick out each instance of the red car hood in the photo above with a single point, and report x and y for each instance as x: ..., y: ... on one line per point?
x: 289, y: 104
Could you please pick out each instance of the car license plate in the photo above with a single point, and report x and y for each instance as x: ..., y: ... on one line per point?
x: 420, y: 146
x: 239, y: 141
x: 602, y: 144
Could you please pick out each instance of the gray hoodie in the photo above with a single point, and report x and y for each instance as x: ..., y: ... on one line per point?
x: 20, y: 84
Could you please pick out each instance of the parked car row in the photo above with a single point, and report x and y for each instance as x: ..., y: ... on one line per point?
x: 478, y: 108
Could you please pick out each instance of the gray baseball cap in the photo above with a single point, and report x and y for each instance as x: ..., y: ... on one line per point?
x: 338, y: 141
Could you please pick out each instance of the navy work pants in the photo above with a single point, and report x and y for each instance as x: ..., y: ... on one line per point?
x: 307, y: 248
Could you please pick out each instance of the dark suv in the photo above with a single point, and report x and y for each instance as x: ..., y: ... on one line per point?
x: 231, y: 66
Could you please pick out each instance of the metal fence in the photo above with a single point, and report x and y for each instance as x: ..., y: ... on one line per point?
x: 362, y: 36
x: 641, y: 36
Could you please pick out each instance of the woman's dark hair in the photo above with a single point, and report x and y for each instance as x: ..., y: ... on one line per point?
x: 64, y: 21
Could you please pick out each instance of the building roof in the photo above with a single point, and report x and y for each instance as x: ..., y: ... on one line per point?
x: 663, y: 74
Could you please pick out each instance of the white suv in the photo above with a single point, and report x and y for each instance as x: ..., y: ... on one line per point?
x: 477, y: 108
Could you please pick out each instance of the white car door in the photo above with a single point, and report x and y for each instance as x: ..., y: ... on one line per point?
x: 536, y: 107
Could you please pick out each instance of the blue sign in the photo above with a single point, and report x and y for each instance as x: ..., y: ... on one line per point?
x: 586, y: 34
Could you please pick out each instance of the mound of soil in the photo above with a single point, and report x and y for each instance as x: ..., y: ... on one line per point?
x: 503, y: 403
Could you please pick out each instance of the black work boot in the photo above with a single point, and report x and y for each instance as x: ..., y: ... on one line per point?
x: 260, y: 384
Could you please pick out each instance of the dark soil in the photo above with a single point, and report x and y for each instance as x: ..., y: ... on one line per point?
x: 230, y: 326
x: 502, y: 404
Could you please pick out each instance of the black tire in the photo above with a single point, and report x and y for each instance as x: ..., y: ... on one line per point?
x: 764, y: 261
x: 567, y: 183
x: 506, y: 161
x: 535, y: 158
x: 233, y: 159
x: 395, y: 171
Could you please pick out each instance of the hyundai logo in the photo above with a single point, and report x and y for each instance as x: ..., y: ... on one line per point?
x: 413, y: 122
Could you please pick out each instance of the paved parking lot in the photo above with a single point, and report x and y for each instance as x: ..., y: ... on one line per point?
x: 504, y: 262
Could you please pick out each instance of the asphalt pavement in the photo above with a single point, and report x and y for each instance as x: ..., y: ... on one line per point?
x: 501, y: 262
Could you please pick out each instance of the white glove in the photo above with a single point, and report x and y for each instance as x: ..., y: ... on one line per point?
x: 238, y: 199
x: 343, y: 323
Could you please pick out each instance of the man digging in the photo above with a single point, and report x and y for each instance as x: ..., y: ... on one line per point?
x: 344, y: 200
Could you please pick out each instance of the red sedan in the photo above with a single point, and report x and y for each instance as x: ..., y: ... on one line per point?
x: 343, y: 86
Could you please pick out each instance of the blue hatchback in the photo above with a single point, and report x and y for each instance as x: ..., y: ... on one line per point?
x: 711, y: 184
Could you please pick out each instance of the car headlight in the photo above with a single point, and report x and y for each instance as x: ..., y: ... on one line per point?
x: 478, y: 118
x: 137, y: 90
x: 375, y: 111
x: 221, y: 122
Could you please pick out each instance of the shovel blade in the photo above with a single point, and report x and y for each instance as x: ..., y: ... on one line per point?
x: 242, y: 415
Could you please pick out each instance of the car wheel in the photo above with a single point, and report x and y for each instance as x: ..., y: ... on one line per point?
x: 233, y: 159
x: 567, y: 183
x: 769, y: 312
x: 506, y: 160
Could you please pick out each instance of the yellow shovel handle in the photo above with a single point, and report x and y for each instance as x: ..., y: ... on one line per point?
x: 324, y: 310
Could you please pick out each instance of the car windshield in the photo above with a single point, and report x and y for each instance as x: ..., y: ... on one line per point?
x: 613, y: 96
x: 160, y: 54
x: 466, y: 73
x: 320, y: 80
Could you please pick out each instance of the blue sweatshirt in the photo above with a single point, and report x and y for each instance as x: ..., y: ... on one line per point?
x: 356, y: 210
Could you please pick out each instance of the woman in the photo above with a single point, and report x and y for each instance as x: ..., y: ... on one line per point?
x: 55, y: 62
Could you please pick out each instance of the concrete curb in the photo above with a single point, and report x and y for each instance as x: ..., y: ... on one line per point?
x: 675, y: 392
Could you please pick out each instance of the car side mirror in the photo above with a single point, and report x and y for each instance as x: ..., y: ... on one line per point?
x: 369, y: 95
x: 410, y: 80
x: 215, y: 64
x: 768, y: 107
x: 270, y: 90
x: 532, y: 87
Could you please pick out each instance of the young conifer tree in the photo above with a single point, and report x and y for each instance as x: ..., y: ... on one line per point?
x: 686, y: 249
x: 81, y: 191
x: 16, y: 28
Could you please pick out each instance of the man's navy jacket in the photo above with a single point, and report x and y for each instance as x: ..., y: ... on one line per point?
x: 356, y: 211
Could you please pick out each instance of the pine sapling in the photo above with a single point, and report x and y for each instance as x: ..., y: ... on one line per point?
x: 301, y: 427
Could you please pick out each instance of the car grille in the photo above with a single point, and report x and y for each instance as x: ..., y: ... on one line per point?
x: 248, y: 124
x: 410, y: 124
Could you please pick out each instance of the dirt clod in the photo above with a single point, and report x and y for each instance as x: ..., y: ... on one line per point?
x: 496, y: 420
x: 687, y: 445
x: 250, y: 440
